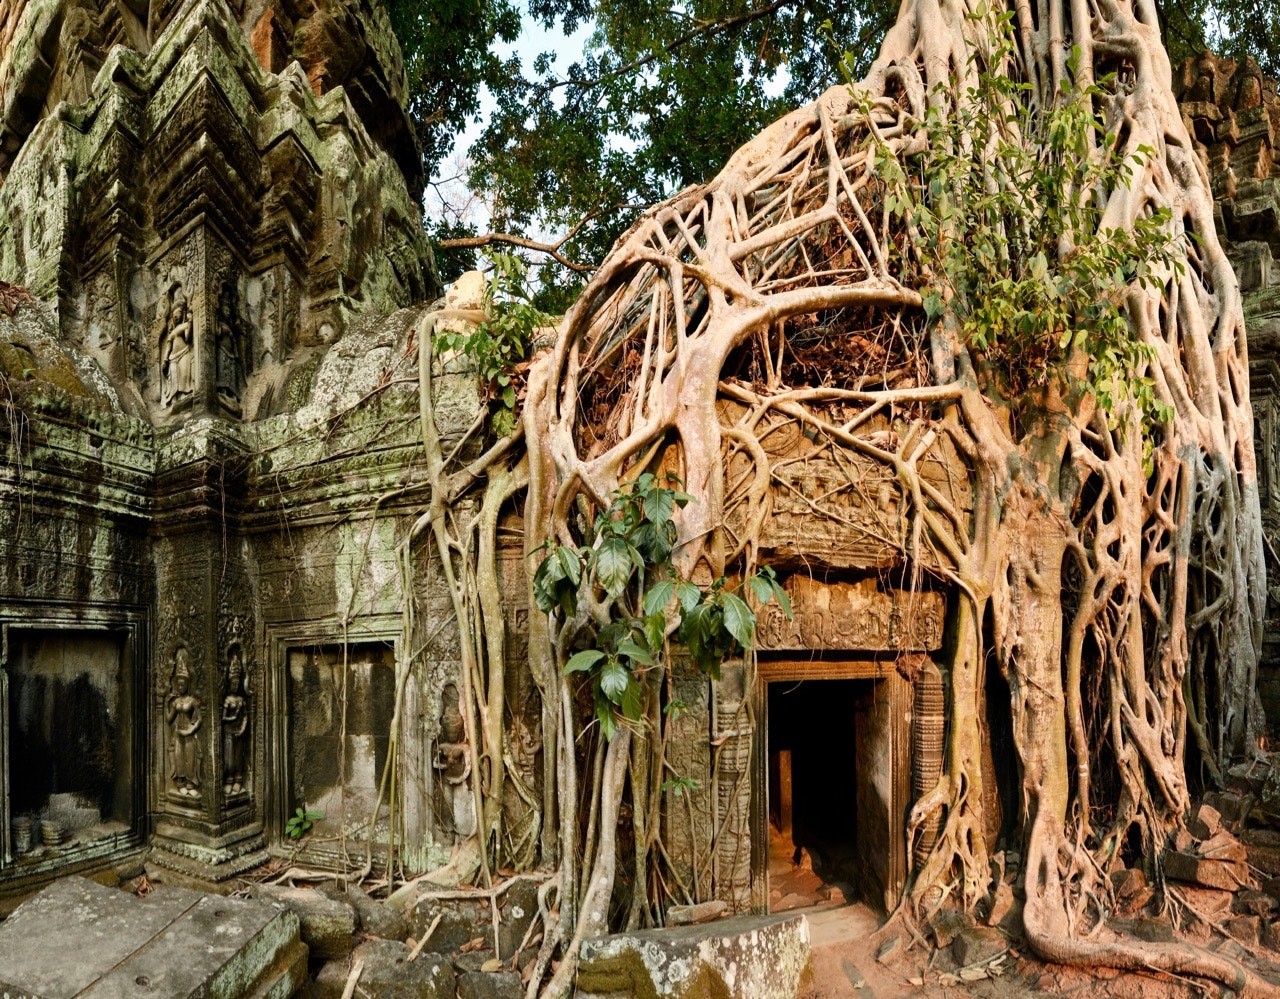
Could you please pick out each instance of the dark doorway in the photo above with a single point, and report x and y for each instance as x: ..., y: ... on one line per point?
x: 817, y: 777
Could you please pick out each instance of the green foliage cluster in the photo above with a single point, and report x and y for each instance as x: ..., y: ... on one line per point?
x: 499, y: 346
x: 1006, y: 209
x: 300, y: 822
x: 631, y: 564
x: 660, y: 96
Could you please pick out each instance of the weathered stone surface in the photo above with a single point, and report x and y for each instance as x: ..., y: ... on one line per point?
x: 1194, y: 870
x: 374, y: 917
x: 1204, y: 822
x: 977, y: 945
x: 1153, y: 930
x: 701, y: 912
x: 851, y: 616
x: 460, y: 921
x: 327, y: 924
x: 765, y: 957
x: 173, y: 943
x: 489, y: 985
x: 947, y: 924
x: 1246, y: 929
x: 387, y: 973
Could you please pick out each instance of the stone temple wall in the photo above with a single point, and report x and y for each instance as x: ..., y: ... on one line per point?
x: 1233, y: 114
x: 212, y: 450
x: 213, y: 471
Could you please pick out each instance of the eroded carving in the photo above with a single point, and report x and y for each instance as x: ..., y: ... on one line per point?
x: 452, y: 762
x: 235, y: 726
x: 183, y: 716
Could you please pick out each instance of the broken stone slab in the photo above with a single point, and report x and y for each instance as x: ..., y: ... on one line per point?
x: 488, y: 985
x: 327, y: 924
x: 1245, y: 929
x: 978, y: 945
x: 373, y: 917
x: 1232, y: 807
x: 1127, y: 882
x: 1223, y: 846
x: 765, y: 957
x: 1001, y: 903
x: 1204, y: 821
x: 172, y: 943
x: 1249, y: 902
x: 701, y: 912
x: 947, y: 924
x: 1153, y: 930
x: 387, y: 973
x: 1221, y: 874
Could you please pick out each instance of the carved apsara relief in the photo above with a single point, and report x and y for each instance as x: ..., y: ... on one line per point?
x: 184, y: 717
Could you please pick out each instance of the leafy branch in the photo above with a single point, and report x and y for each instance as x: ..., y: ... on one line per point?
x: 630, y: 564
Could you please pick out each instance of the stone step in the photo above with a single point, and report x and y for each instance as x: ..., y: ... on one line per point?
x: 174, y: 943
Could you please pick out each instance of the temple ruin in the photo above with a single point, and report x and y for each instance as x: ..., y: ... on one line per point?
x: 216, y: 275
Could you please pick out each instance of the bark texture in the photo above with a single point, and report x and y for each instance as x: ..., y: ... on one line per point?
x: 1112, y: 572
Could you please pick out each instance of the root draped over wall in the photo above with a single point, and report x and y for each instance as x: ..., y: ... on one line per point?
x: 1109, y: 568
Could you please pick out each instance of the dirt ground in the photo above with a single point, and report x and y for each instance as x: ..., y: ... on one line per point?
x: 847, y: 938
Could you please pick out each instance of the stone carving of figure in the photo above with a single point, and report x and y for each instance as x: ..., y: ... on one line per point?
x: 176, y: 352
x: 228, y: 350
x: 453, y: 762
x: 235, y: 725
x: 182, y: 715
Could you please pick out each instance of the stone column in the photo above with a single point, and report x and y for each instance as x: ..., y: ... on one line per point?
x: 206, y: 788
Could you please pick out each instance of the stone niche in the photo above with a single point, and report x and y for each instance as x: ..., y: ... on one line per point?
x: 341, y: 702
x: 72, y: 758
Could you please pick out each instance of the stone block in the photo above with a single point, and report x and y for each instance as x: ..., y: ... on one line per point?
x: 1246, y: 929
x: 461, y: 921
x: 327, y: 924
x: 1232, y: 807
x: 1250, y: 902
x: 1001, y: 904
x: 1223, y: 846
x: 947, y: 924
x: 702, y: 912
x: 1208, y: 873
x: 489, y: 985
x: 387, y: 973
x: 1127, y: 882
x: 978, y: 945
x: 174, y: 943
x: 765, y: 957
x: 1204, y: 821
x: 518, y: 908
x: 1153, y: 930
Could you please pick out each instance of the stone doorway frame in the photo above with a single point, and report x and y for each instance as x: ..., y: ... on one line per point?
x: 897, y: 694
x: 277, y: 777
x: 129, y: 625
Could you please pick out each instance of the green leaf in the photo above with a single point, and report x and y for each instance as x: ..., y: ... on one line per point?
x: 582, y: 661
x: 658, y: 596
x: 738, y: 620
x: 636, y: 652
x: 613, y: 565
x: 688, y: 595
x: 659, y: 504
x: 614, y: 678
x: 632, y: 701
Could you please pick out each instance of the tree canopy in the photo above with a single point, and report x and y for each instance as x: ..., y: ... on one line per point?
x: 661, y: 95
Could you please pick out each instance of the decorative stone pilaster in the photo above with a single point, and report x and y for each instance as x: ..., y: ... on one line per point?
x: 208, y: 822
